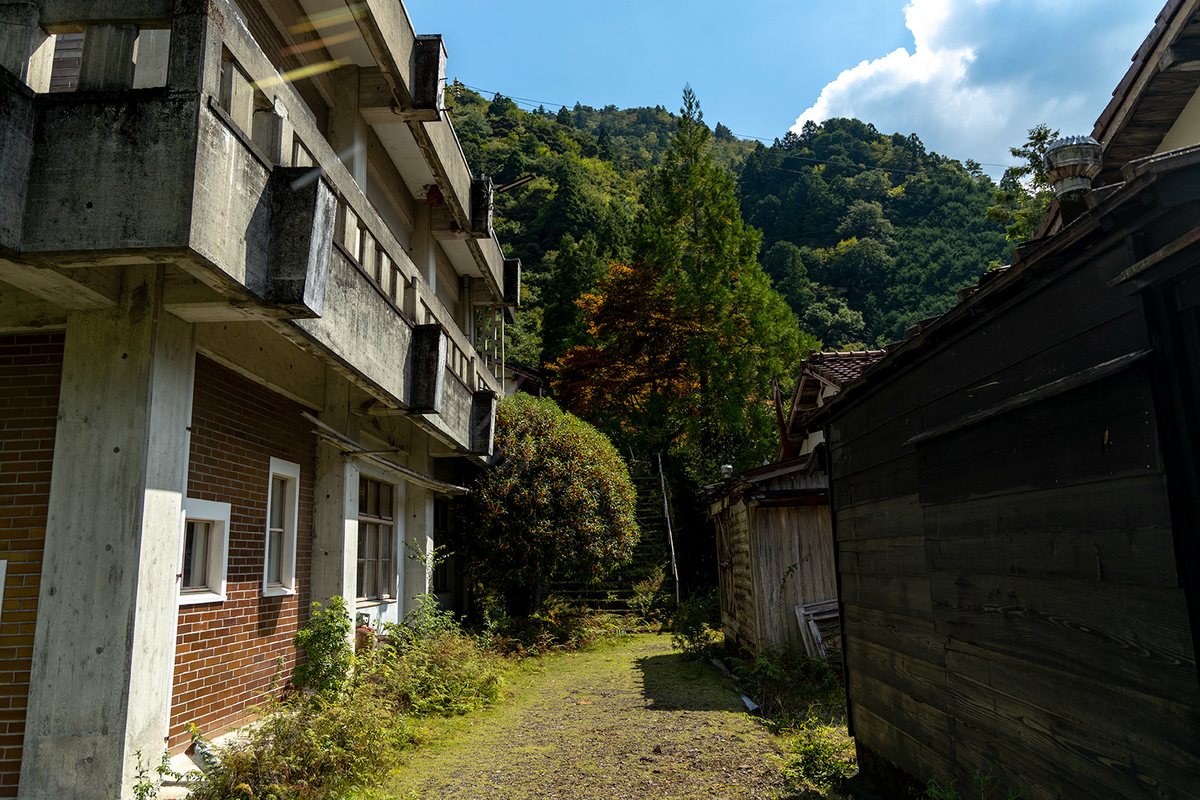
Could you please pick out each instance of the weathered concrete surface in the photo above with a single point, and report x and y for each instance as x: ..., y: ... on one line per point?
x: 483, y: 423
x: 361, y: 328
x: 101, y: 668
x: 301, y: 242
x: 107, y: 61
x: 230, y: 225
x: 16, y: 139
x: 427, y: 361
x: 132, y: 191
x: 333, y: 570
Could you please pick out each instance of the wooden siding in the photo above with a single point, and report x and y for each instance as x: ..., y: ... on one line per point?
x: 1010, y: 595
x: 756, y: 548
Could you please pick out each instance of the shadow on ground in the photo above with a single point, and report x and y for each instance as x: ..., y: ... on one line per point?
x: 672, y: 683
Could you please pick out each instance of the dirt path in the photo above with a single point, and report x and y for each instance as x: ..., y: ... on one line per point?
x: 630, y: 721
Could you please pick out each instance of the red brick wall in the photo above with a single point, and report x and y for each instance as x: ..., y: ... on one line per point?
x: 30, y: 373
x: 226, y: 652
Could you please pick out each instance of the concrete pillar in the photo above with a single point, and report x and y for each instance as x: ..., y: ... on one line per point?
x: 347, y: 130
x: 153, y: 52
x: 194, y: 60
x: 107, y: 60
x: 22, y: 41
x: 418, y: 524
x: 424, y: 250
x: 100, y: 679
x: 335, y: 515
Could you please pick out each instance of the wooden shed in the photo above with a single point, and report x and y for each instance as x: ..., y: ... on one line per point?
x: 774, y: 539
x: 1016, y: 497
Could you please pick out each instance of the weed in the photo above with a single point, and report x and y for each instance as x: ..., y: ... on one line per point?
x: 558, y: 626
x: 649, y: 599
x: 791, y: 687
x: 987, y: 787
x: 821, y: 754
x: 325, y: 640
x: 693, y: 629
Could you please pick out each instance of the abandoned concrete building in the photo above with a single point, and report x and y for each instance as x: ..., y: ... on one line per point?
x: 251, y: 313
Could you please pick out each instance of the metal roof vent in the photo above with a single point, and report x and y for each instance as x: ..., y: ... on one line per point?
x: 1072, y: 163
x: 726, y: 471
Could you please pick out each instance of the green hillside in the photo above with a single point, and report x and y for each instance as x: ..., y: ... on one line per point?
x: 863, y: 233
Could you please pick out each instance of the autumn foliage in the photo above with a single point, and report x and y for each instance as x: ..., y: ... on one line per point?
x: 558, y: 504
x: 683, y: 342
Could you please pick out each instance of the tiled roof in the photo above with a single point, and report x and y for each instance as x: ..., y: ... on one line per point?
x: 842, y: 368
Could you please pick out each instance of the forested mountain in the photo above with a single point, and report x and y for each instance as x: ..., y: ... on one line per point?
x: 858, y: 223
x: 863, y: 233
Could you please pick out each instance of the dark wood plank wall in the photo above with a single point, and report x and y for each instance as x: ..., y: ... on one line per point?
x: 1010, y: 594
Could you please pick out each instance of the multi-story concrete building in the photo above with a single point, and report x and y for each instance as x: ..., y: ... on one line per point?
x: 250, y: 312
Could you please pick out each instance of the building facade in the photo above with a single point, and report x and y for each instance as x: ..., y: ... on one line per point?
x: 251, y: 314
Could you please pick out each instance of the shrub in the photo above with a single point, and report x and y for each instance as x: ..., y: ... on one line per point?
x: 309, y: 748
x: 821, y: 754
x: 558, y: 626
x: 557, y: 504
x: 325, y: 641
x: 791, y: 686
x: 649, y: 598
x: 693, y: 628
x: 433, y: 667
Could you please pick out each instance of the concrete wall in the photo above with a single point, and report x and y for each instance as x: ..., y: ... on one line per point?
x: 16, y: 137
x: 111, y: 548
x: 110, y: 175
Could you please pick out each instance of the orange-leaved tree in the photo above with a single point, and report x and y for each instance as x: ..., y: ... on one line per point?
x: 684, y: 341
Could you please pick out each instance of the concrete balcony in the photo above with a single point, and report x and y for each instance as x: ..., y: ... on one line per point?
x: 246, y: 199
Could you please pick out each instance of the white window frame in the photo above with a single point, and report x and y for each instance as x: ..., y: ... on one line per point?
x: 217, y: 515
x: 289, y: 471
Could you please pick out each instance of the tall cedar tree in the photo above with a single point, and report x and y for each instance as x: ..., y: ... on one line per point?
x: 685, y: 341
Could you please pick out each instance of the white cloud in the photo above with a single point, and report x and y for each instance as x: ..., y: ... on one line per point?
x: 980, y: 73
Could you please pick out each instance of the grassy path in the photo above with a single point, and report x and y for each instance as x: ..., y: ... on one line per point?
x: 629, y: 721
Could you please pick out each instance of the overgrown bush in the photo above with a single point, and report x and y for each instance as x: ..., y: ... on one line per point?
x: 325, y: 641
x: 791, y: 686
x: 821, y: 754
x: 650, y: 600
x: 344, y: 730
x: 309, y: 748
x: 558, y: 626
x: 434, y: 668
x: 695, y: 626
x: 557, y: 504
x: 804, y: 701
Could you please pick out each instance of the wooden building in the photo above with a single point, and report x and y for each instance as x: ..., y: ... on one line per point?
x: 1015, y: 492
x: 774, y: 540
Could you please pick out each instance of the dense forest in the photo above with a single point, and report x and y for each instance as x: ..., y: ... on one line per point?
x: 863, y: 233
x: 672, y: 269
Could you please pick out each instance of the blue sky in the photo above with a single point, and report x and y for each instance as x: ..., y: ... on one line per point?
x: 967, y: 76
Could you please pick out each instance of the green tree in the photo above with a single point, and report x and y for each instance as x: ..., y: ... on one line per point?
x: 687, y: 338
x: 574, y: 270
x: 558, y: 503
x: 1025, y: 195
x: 785, y: 265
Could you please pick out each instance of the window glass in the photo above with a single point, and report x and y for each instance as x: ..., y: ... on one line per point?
x: 278, y: 498
x: 376, y: 543
x: 195, y: 555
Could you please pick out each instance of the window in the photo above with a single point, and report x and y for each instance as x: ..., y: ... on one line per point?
x: 376, y: 542
x: 205, y: 552
x: 283, y: 505
x: 443, y: 523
